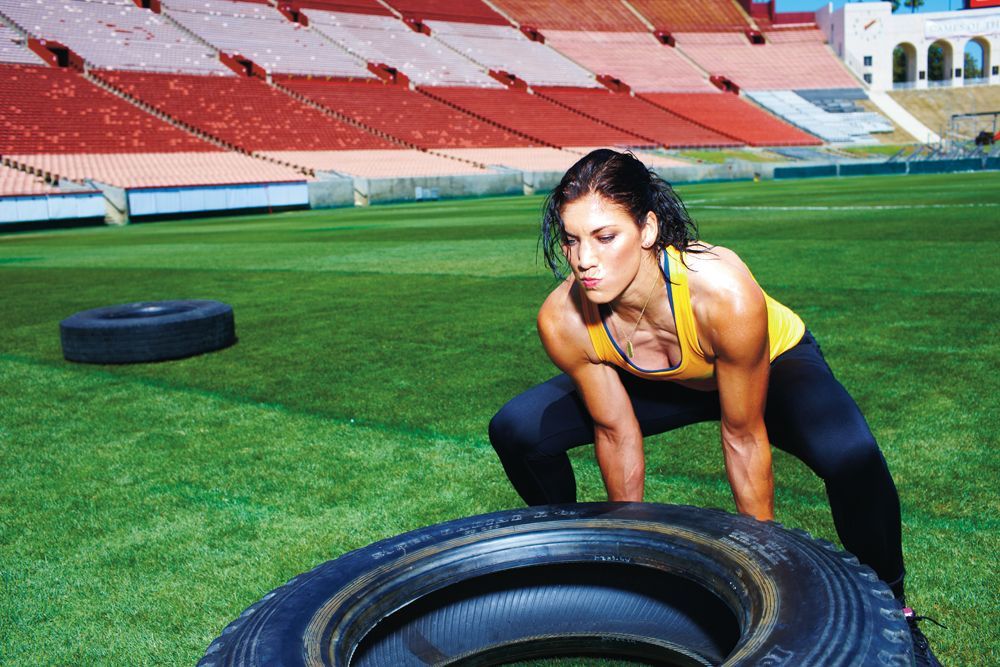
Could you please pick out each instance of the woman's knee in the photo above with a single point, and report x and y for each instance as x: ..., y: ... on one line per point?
x: 855, y: 459
x: 508, y: 433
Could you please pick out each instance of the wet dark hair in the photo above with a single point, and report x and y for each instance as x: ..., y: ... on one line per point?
x: 624, y: 180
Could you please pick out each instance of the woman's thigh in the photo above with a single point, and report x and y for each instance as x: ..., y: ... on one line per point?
x: 812, y: 416
x: 551, y: 417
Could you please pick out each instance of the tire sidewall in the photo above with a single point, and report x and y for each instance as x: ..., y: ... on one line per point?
x: 799, y: 600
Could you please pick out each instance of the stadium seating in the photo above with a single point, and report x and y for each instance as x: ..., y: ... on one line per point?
x: 14, y: 182
x: 262, y: 34
x: 50, y: 110
x: 789, y: 59
x: 636, y: 58
x: 528, y: 159
x: 834, y: 100
x: 654, y: 124
x: 406, y: 114
x: 543, y: 159
x: 536, y: 117
x: 700, y: 16
x: 379, y: 164
x: 148, y: 170
x: 352, y: 6
x: 837, y: 127
x: 503, y: 48
x: 731, y: 115
x: 115, y: 34
x: 245, y: 112
x: 468, y: 11
x: 384, y: 39
x: 324, y: 105
x: 609, y: 15
x: 13, y: 48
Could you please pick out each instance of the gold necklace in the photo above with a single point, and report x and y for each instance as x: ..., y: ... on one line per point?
x: 628, y: 340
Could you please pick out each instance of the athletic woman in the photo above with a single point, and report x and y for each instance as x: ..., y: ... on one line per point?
x: 654, y: 329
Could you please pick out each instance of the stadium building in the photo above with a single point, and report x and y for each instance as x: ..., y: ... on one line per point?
x: 915, y: 51
x: 132, y: 109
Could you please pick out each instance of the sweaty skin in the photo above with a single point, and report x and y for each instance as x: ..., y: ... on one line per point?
x: 614, y: 262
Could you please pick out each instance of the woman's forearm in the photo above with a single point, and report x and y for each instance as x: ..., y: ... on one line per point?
x: 748, y: 467
x: 622, y: 461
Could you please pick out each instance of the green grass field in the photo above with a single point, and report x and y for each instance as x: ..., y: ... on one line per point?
x: 143, y: 507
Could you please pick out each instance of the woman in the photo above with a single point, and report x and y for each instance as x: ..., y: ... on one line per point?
x: 653, y: 330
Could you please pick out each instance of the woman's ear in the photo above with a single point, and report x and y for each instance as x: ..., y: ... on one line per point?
x: 650, y: 230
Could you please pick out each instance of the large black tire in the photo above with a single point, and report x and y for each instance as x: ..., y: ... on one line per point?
x: 147, y: 331
x: 657, y: 583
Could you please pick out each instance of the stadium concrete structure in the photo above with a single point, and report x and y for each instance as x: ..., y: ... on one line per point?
x: 122, y: 109
x: 865, y: 36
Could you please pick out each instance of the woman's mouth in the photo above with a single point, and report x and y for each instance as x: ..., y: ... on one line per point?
x: 589, y: 283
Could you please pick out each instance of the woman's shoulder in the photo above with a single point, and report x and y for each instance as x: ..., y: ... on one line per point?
x: 561, y: 309
x: 705, y: 255
x: 712, y: 267
x: 561, y: 323
x: 720, y: 284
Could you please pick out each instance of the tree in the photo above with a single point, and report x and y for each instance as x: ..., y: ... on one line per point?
x: 972, y: 68
x: 895, y: 4
x: 975, y: 60
x: 914, y: 4
x: 935, y: 63
x: 900, y: 65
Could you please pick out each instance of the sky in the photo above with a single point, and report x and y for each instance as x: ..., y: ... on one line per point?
x: 812, y: 5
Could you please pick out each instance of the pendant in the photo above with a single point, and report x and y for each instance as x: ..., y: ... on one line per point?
x: 628, y: 349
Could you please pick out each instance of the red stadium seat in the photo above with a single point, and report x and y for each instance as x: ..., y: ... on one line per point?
x: 700, y: 16
x: 537, y: 117
x: 415, y: 118
x: 578, y: 15
x: 733, y: 116
x: 637, y: 58
x: 654, y: 124
x: 14, y: 182
x: 788, y: 59
x: 245, y: 112
x: 471, y: 11
x: 58, y: 111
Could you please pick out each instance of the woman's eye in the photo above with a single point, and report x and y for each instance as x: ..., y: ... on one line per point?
x: 569, y: 242
x: 606, y: 239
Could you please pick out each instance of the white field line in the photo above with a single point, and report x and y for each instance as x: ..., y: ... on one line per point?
x: 890, y: 207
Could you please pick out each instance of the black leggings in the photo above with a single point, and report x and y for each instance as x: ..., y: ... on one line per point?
x: 809, y: 415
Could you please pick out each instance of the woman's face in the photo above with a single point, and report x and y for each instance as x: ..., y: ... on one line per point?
x: 604, y: 246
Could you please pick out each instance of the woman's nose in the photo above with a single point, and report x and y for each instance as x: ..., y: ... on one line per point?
x: 585, y: 256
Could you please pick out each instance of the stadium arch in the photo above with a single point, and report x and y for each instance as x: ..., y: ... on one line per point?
x: 940, y: 63
x: 904, y: 63
x: 977, y: 52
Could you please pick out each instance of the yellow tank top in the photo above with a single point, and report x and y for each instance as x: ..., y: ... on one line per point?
x: 784, y: 329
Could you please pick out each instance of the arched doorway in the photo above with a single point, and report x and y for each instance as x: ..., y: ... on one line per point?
x: 939, y: 64
x: 904, y: 65
x: 977, y: 61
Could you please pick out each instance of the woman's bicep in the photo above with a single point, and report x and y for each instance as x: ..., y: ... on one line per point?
x: 604, y: 395
x: 742, y: 364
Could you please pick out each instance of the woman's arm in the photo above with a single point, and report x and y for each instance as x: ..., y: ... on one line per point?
x: 734, y: 322
x: 617, y: 436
